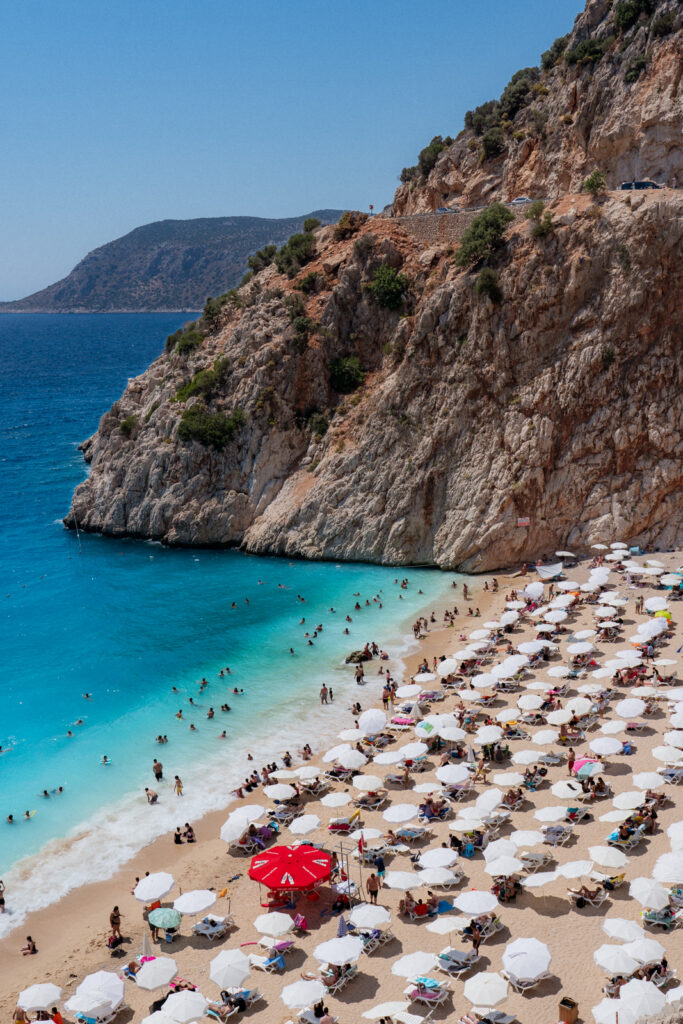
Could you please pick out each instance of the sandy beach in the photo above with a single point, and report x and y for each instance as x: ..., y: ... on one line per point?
x: 71, y: 935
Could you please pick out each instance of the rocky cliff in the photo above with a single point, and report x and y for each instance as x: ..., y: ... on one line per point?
x: 607, y: 96
x: 307, y: 418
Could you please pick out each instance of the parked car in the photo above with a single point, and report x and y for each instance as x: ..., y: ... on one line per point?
x: 520, y: 200
x: 626, y: 186
x: 447, y: 209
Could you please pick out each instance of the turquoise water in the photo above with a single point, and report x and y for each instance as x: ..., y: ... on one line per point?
x: 125, y: 621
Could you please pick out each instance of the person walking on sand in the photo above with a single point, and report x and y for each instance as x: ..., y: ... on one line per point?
x: 372, y: 886
x: 323, y: 694
x: 571, y: 758
x: 178, y: 785
x: 115, y: 922
x: 158, y: 770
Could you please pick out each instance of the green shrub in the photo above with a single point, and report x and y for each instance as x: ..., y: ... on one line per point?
x: 487, y: 284
x: 430, y: 154
x: 206, y: 382
x: 595, y: 184
x: 515, y: 95
x: 627, y: 12
x: 543, y: 227
x: 173, y: 339
x: 295, y: 253
x: 590, y: 51
x: 318, y: 424
x: 246, y: 278
x: 308, y: 284
x: 492, y: 143
x: 608, y: 357
x: 664, y: 24
x: 550, y: 58
x: 535, y: 210
x: 262, y: 258
x: 388, y: 287
x: 567, y: 119
x: 409, y: 174
x: 485, y: 116
x: 348, y: 224
x: 363, y: 246
x: 211, y: 429
x: 127, y: 425
x: 189, y: 342
x: 311, y: 223
x: 152, y: 410
x: 346, y: 374
x: 484, y: 235
x: 635, y: 68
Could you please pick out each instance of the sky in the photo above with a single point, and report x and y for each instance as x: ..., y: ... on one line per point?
x: 116, y: 113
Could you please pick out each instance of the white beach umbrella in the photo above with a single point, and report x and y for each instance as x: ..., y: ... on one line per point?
x: 413, y: 750
x: 656, y: 604
x: 42, y: 996
x: 305, y: 772
x: 604, y: 611
x: 525, y: 757
x: 526, y: 837
x: 488, y: 800
x: 275, y: 924
x: 544, y: 627
x: 544, y: 737
x: 489, y: 734
x: 197, y: 901
x: 374, y: 720
x: 608, y: 856
x: 642, y: 997
x: 601, y: 673
x: 575, y: 868
x: 303, y: 993
x: 428, y: 787
x: 649, y: 893
x: 399, y: 814
x: 347, y: 735
x: 493, y: 624
x: 579, y: 705
x: 612, y: 1011
x: 669, y: 755
x: 333, y: 753
x: 584, y: 634
x: 600, y: 547
x: 366, y: 783
x: 612, y: 728
x: 486, y: 989
x: 286, y: 775
x: 669, y: 868
x: 499, y: 848
x: 249, y: 813
x: 630, y: 708
x: 444, y: 925
x: 158, y: 1017
x: 156, y: 973
x: 530, y: 702
x: 439, y: 857
x: 532, y: 646
x: 410, y: 690
x: 304, y: 825
x: 559, y: 672
x: 475, y: 902
x: 153, y: 887
x: 463, y: 825
x: 615, y: 960
x: 402, y: 880
x: 677, y: 720
x: 648, y: 780
x: 351, y: 759
x: 590, y: 688
x: 509, y: 779
x: 555, y: 615
x: 628, y: 800
x: 568, y: 585
x: 645, y: 950
x: 436, y: 876
x: 279, y: 791
x: 335, y: 800
x: 619, y: 815
x: 480, y: 634
x: 664, y: 662
x: 90, y: 1004
x: 675, y: 830
x: 230, y: 968
x: 534, y: 590
x: 606, y: 746
x: 526, y: 958
x: 383, y: 1010
x: 674, y: 738
x: 560, y: 717
x: 582, y: 647
x: 106, y: 984
x: 504, y: 866
x: 550, y: 813
x: 185, y: 1006
x: 339, y: 951
x: 539, y: 879
x: 451, y: 733
x: 566, y: 789
x: 447, y: 666
x: 388, y: 757
x: 508, y: 618
x: 368, y: 915
x: 422, y: 677
x: 413, y: 965
x: 622, y: 929
x: 484, y: 681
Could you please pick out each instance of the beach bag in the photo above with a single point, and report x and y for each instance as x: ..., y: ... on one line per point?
x: 581, y: 902
x: 468, y: 851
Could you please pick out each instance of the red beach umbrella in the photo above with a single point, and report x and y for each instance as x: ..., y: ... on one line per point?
x: 290, y: 867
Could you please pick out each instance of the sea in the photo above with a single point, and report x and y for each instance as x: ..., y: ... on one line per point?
x: 137, y: 626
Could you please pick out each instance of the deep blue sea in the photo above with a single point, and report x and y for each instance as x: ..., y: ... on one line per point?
x: 125, y: 621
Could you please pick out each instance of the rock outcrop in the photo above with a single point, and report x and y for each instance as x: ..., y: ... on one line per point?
x: 561, y: 402
x: 619, y: 111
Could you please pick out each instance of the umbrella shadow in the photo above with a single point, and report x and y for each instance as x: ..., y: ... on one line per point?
x: 549, y: 906
x: 362, y: 987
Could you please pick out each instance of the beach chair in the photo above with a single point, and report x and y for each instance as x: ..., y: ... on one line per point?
x: 460, y: 790
x: 214, y: 927
x: 667, y: 918
x: 592, y: 901
x: 215, y: 1016
x: 455, y: 962
x: 662, y: 980
x: 517, y: 734
x: 307, y: 1016
x: 371, y: 940
x: 557, y: 835
x: 626, y: 844
x: 269, y: 964
x: 525, y: 984
x: 279, y: 947
x: 672, y: 775
x: 533, y: 861
x: 419, y: 992
x: 341, y: 982
x: 676, y: 895
x: 610, y: 882
x: 395, y: 780
x: 496, y: 1017
x: 577, y: 814
x: 415, y: 834
x: 550, y: 759
x: 245, y: 844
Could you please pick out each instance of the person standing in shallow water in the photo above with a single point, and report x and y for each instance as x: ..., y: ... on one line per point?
x: 178, y: 785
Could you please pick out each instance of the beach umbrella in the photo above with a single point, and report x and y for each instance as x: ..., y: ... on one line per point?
x: 630, y: 708
x: 388, y: 757
x: 606, y: 746
x: 286, y: 774
x: 427, y: 787
x: 605, y: 611
x: 475, y: 902
x: 628, y: 800
x: 601, y: 673
x: 674, y: 738
x: 526, y: 958
x: 587, y: 769
x: 413, y: 965
x: 347, y: 735
x: 612, y: 728
x: 156, y: 973
x: 600, y: 547
x: 647, y: 780
x: 153, y: 887
x: 534, y: 590
x: 230, y: 969
x: 249, y: 813
x: 185, y: 1006
x: 374, y: 720
x: 642, y: 997
x: 499, y: 848
x: 92, y: 1004
x: 664, y: 662
x: 422, y: 677
x: 290, y: 867
x: 560, y: 717
x: 339, y: 951
x: 575, y: 868
x: 526, y: 837
x: 545, y: 627
x: 402, y: 880
x: 486, y: 989
x: 335, y: 800
x: 675, y: 830
x: 39, y: 997
x: 351, y: 759
x: 677, y: 720
x: 399, y: 814
x: 669, y: 868
x: 305, y: 772
x: 366, y: 834
x: 480, y: 634
x: 366, y: 783
x: 509, y: 779
x: 656, y: 604
x: 447, y: 666
x: 559, y: 672
x: 197, y: 901
x: 525, y: 757
x: 233, y: 830
x: 614, y: 816
x: 384, y: 1010
x: 504, y: 866
x: 649, y: 893
x: 540, y: 878
x: 275, y: 924
x: 439, y: 857
x: 582, y: 647
x: 451, y: 733
x: 544, y: 737
x: 413, y: 750
x: 305, y: 824
x: 622, y: 929
x: 645, y: 950
x: 368, y: 915
x: 334, y: 752
x: 551, y: 813
x: 508, y: 618
x: 608, y: 856
x: 531, y: 647
x: 410, y: 690
x: 445, y: 925
x: 436, y: 876
x: 484, y: 681
x: 556, y: 615
x: 507, y: 715
x: 105, y: 984
x: 670, y: 755
x: 568, y: 584
x: 566, y: 790
x: 613, y: 1011
x: 590, y: 688
x: 615, y: 960
x: 489, y: 734
x: 579, y: 705
x: 487, y: 801
x: 165, y: 917
x: 303, y: 993
x: 466, y: 825
x: 584, y: 634
x: 157, y: 1018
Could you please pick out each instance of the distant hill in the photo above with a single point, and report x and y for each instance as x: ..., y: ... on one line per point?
x: 167, y: 265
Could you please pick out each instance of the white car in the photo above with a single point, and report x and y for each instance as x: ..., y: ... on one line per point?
x: 520, y: 200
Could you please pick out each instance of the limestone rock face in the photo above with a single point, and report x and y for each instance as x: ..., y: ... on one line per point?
x: 562, y: 404
x: 577, y: 118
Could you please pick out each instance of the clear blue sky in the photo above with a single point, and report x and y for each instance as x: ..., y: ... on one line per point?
x: 116, y: 113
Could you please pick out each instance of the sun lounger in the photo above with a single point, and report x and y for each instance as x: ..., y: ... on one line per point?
x: 533, y: 861
x: 414, y: 834
x: 269, y: 964
x: 577, y: 814
x: 608, y: 881
x: 455, y: 962
x: 486, y: 929
x: 557, y: 835
x: 213, y: 927
x: 394, y: 780
x: 341, y: 982
x: 626, y: 844
x: 593, y: 901
x: 307, y: 1016
x: 460, y: 790
x: 662, y: 918
x: 106, y: 1018
x: 280, y: 947
x: 672, y: 775
x: 551, y: 759
x: 432, y: 997
x: 662, y: 980
x: 525, y: 984
x: 497, y: 1017
x: 215, y: 1016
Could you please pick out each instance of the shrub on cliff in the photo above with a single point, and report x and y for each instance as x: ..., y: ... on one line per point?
x: 550, y: 57
x: 595, y: 184
x: 627, y: 12
x: 188, y: 342
x: 492, y: 143
x: 484, y: 235
x: 318, y: 424
x: 346, y: 374
x: 664, y: 24
x: 590, y: 51
x: 308, y: 284
x: 636, y: 67
x: 211, y: 429
x: 206, y: 382
x: 295, y: 253
x: 348, y: 224
x: 485, y: 116
x: 127, y: 426
x: 430, y: 154
x: 262, y: 258
x: 388, y: 287
x: 487, y: 284
x: 515, y: 95
x: 542, y: 223
x: 311, y: 223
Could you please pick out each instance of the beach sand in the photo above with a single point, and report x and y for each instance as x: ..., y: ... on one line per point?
x: 71, y: 934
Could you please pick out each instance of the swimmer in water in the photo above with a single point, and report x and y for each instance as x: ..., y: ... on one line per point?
x: 223, y: 735
x: 45, y: 793
x: 179, y: 714
x: 193, y: 728
x: 105, y: 760
x: 174, y: 689
x: 69, y: 732
x: 291, y: 650
x: 27, y: 815
x: 87, y: 696
x: 79, y: 721
x: 10, y: 819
